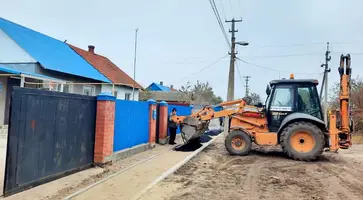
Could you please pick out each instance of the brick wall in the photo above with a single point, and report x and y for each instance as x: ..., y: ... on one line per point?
x: 104, y: 128
x: 163, y: 122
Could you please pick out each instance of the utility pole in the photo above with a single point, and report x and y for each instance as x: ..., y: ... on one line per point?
x: 325, y: 82
x: 133, y: 85
x: 230, y: 91
x: 247, y: 86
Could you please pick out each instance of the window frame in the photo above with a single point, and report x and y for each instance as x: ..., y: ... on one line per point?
x: 313, y: 95
x: 93, y: 89
x: 273, y: 95
x: 129, y: 95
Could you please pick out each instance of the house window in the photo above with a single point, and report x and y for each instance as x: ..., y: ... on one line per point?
x: 89, y: 90
x: 67, y: 88
x: 115, y: 94
x: 127, y: 96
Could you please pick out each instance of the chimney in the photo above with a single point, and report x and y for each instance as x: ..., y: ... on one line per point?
x: 91, y: 48
x: 161, y: 83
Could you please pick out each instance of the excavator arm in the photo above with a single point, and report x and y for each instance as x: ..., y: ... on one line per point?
x: 207, y: 112
x: 340, y: 132
x: 197, y: 123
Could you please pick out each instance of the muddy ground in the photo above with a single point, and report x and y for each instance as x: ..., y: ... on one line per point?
x: 264, y: 174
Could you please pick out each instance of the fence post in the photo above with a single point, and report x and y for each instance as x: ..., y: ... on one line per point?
x: 105, y: 123
x: 163, y: 122
x: 152, y: 122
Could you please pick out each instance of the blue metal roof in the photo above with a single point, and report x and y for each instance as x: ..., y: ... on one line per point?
x: 158, y: 87
x: 15, y: 71
x: 51, y: 53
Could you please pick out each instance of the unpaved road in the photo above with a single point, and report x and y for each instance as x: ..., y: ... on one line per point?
x: 264, y: 174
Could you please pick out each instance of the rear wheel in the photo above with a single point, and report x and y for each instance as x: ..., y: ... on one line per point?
x: 302, y: 141
x: 238, y: 142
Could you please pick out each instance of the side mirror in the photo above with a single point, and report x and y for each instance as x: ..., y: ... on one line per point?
x: 268, y: 90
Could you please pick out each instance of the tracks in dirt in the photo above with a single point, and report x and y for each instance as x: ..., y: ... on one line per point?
x: 268, y: 174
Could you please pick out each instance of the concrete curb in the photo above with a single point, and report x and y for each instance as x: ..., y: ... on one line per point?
x: 113, y: 175
x: 174, y: 168
x: 125, y: 153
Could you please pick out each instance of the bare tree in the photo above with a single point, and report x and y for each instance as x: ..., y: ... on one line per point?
x: 201, y: 93
x: 255, y: 98
x: 356, y: 101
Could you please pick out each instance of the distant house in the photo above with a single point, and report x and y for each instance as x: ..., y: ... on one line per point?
x: 159, y: 92
x: 32, y: 59
x: 126, y: 85
x: 160, y: 87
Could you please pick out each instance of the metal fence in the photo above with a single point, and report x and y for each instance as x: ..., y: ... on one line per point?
x: 131, y: 124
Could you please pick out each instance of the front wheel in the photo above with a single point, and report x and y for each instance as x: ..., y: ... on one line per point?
x: 238, y: 143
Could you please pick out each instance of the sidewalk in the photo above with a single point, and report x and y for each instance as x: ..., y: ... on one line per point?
x: 68, y: 185
x: 129, y: 183
x: 125, y: 179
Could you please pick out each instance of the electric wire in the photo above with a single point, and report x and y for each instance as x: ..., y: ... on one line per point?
x: 206, y: 67
x: 240, y: 75
x: 284, y: 55
x: 230, y: 4
x: 223, y: 10
x: 260, y: 66
x: 218, y: 17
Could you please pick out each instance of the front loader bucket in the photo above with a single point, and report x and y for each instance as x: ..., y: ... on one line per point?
x: 193, y: 128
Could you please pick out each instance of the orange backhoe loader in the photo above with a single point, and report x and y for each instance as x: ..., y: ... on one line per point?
x: 292, y: 117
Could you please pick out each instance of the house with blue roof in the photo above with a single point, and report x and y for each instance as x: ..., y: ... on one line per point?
x: 160, y: 87
x: 31, y: 59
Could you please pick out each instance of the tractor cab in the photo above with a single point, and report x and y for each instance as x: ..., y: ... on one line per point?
x: 288, y: 96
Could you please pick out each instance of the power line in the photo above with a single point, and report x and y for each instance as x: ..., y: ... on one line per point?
x: 287, y: 45
x: 218, y: 17
x: 239, y: 74
x: 260, y: 66
x: 206, y: 67
x: 353, y: 53
x: 286, y: 55
x: 305, y: 44
x: 230, y: 4
x: 239, y: 5
x: 224, y: 12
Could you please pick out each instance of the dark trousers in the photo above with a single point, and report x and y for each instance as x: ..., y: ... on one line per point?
x: 172, y: 132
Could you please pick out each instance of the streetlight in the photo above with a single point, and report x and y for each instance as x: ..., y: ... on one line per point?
x: 243, y: 43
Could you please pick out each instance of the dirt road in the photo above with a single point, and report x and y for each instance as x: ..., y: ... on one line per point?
x: 265, y: 174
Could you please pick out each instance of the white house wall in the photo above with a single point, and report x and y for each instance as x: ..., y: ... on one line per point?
x: 4, y: 83
x: 121, y: 91
x: 11, y: 52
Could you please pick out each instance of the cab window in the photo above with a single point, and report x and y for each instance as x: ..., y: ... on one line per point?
x: 308, y: 101
x: 282, y: 99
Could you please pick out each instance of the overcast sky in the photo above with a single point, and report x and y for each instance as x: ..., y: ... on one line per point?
x: 179, y: 38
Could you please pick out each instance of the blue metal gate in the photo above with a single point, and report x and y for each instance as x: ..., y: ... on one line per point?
x: 51, y: 135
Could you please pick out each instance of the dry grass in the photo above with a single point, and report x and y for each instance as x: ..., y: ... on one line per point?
x: 357, y: 139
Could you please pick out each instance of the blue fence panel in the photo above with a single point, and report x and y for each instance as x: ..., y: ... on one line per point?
x: 131, y: 124
x: 181, y: 111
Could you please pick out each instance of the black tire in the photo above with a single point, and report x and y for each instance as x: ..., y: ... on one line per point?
x: 312, y: 132
x: 238, y: 135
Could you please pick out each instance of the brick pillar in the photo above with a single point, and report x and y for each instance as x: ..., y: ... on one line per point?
x: 105, y: 122
x: 152, y: 122
x: 163, y: 122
